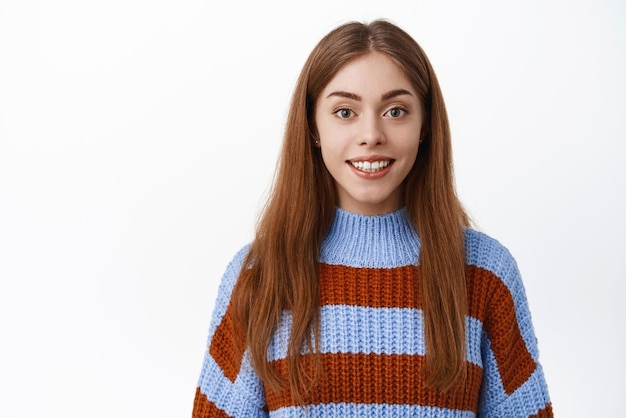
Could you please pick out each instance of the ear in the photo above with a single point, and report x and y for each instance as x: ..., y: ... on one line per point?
x: 315, y: 139
x: 310, y: 118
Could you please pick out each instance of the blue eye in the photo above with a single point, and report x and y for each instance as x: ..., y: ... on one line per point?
x: 396, y: 112
x: 344, y: 113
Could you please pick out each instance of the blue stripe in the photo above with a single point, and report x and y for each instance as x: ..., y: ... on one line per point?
x: 492, y: 390
x: 370, y: 410
x: 532, y: 396
x: 366, y: 330
x: 527, y: 400
x: 244, y: 397
x: 473, y: 340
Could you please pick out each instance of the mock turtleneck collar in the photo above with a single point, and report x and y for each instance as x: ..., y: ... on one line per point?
x: 382, y: 241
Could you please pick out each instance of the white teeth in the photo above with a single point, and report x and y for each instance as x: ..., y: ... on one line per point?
x: 370, y: 167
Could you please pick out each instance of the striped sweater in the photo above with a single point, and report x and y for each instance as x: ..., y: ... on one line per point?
x: 372, y: 338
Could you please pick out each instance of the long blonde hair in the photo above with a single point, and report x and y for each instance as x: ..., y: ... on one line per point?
x: 281, y: 267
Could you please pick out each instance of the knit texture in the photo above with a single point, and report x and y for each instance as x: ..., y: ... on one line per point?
x: 372, y: 338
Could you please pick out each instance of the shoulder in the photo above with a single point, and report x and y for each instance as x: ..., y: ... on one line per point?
x: 227, y: 284
x: 487, y: 253
x: 233, y: 269
x: 239, y: 258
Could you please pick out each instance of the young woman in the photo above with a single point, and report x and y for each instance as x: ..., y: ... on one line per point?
x: 365, y: 291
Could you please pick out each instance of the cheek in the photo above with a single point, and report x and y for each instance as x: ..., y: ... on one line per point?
x: 409, y: 140
x: 331, y: 155
x: 333, y: 139
x: 411, y: 150
x: 325, y: 131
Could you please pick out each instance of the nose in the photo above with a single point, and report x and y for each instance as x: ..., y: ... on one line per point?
x: 371, y: 132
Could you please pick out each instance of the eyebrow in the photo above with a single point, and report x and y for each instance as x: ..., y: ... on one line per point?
x: 346, y: 95
x: 353, y: 96
x: 395, y: 93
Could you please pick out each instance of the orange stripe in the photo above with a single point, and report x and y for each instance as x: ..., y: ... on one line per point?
x: 203, y: 408
x: 223, y: 345
x: 478, y: 282
x: 487, y: 292
x: 544, y: 413
x: 379, y: 379
x: 376, y: 288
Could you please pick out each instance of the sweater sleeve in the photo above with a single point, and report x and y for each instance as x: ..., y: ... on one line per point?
x: 513, y: 381
x: 228, y: 385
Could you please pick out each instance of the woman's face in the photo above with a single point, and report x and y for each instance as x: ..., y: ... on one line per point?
x: 369, y: 121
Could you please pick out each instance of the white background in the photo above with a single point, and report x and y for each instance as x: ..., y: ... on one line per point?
x: 138, y: 139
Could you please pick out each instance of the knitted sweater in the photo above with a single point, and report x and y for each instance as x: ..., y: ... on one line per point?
x: 372, y: 338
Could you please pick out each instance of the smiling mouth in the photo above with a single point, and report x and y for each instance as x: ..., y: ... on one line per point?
x: 370, y: 167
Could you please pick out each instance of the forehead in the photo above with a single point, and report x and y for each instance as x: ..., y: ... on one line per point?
x: 373, y: 72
